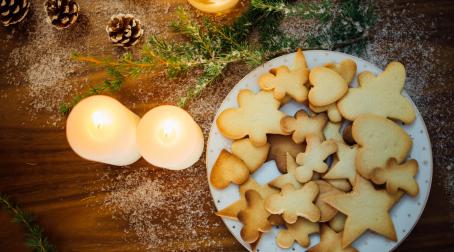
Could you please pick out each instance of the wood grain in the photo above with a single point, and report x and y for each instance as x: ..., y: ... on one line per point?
x: 39, y: 170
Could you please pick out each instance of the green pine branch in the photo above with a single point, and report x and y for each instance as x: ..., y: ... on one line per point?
x: 35, y: 234
x: 343, y: 25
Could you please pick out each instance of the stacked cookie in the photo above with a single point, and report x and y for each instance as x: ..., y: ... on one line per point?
x: 337, y: 180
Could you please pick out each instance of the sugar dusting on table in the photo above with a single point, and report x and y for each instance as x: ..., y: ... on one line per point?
x: 42, y: 60
x: 149, y: 199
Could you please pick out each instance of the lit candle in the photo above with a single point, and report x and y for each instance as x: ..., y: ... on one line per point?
x: 101, y: 129
x: 168, y: 137
x: 213, y: 6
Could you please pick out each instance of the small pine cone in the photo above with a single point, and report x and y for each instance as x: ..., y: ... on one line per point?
x: 61, y: 13
x: 124, y: 30
x: 13, y: 11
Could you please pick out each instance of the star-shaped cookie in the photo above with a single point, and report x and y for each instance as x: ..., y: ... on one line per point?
x: 345, y: 167
x: 330, y: 241
x: 232, y: 210
x: 366, y: 209
x: 257, y: 115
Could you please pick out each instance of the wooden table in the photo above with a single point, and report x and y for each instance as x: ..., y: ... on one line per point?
x: 41, y: 173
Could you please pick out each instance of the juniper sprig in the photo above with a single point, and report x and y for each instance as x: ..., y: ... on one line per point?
x: 211, y: 47
x: 35, y: 234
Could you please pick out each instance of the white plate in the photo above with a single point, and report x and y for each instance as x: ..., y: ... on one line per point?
x: 405, y: 214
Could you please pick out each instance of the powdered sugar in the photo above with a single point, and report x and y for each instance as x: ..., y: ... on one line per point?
x: 151, y: 199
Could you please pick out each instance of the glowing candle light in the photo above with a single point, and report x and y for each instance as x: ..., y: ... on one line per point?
x: 99, y: 128
x: 213, y: 6
x: 168, y: 137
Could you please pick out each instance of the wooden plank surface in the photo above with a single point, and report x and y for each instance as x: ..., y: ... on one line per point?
x: 67, y: 194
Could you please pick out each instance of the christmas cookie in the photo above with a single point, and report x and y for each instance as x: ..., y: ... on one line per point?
x: 347, y: 70
x: 328, y: 86
x: 293, y: 203
x: 379, y: 139
x: 285, y: 82
x: 344, y: 168
x: 326, y: 211
x: 330, y: 241
x: 254, y: 217
x: 398, y: 176
x: 252, y: 156
x: 366, y: 208
x: 257, y: 115
x: 313, y: 158
x: 232, y: 210
x: 379, y: 95
x: 298, y: 231
x: 228, y: 169
x: 303, y: 125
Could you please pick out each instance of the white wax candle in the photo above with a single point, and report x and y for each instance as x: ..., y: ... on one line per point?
x: 99, y: 128
x: 168, y: 137
x: 213, y: 6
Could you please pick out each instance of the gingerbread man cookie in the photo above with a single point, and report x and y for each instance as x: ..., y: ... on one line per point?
x: 254, y: 218
x: 313, y: 158
x: 398, y: 176
x: 285, y: 82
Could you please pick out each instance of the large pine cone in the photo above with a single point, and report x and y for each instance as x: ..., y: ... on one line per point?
x: 13, y: 11
x: 61, y: 13
x: 124, y: 30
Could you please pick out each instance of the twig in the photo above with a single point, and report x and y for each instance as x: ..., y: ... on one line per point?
x: 35, y: 234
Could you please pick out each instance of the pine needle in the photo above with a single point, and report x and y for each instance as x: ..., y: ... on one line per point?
x: 35, y: 234
x: 211, y: 47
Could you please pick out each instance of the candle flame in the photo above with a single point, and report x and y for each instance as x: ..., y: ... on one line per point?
x: 101, y: 118
x: 168, y: 130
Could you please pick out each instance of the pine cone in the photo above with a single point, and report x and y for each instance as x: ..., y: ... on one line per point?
x: 13, y: 11
x: 61, y: 13
x: 124, y: 30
